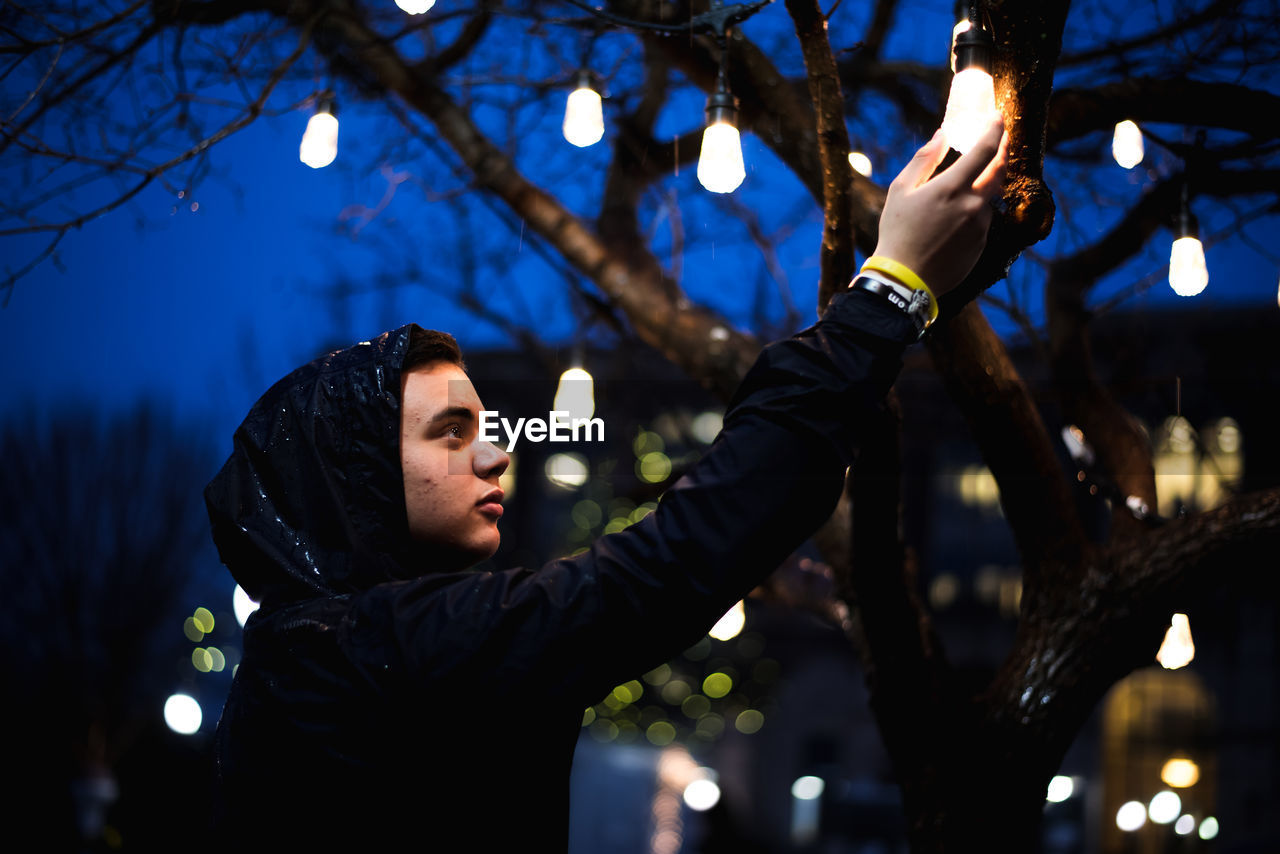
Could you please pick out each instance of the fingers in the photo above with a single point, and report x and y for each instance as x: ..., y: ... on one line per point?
x: 991, y: 181
x: 924, y: 162
x: 970, y: 166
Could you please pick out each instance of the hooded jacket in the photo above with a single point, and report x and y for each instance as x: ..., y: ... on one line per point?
x: 380, y: 702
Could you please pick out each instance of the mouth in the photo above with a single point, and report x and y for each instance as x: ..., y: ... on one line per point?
x: 491, y: 504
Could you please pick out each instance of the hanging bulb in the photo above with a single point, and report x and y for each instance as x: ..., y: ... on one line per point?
x: 1177, y: 649
x: 320, y: 140
x: 720, y: 166
x: 575, y: 394
x: 415, y: 7
x: 861, y: 163
x: 973, y: 95
x: 583, y: 113
x: 1126, y: 145
x: 1188, y: 274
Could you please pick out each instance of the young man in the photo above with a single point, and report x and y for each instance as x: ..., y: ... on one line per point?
x: 391, y: 697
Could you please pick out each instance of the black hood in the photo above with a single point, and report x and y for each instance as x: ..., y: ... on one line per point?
x: 311, y: 501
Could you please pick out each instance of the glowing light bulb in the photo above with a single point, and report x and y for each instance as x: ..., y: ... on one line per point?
x: 1126, y: 144
x: 415, y: 7
x: 969, y: 108
x: 575, y: 394
x: 319, y: 145
x: 1188, y: 274
x: 242, y: 605
x: 861, y: 163
x: 720, y: 166
x: 972, y: 102
x: 728, y: 626
x: 1177, y: 649
x: 584, y: 114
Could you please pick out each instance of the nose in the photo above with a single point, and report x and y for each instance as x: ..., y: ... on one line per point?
x: 490, y: 460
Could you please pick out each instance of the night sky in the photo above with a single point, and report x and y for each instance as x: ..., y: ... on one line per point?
x: 202, y: 309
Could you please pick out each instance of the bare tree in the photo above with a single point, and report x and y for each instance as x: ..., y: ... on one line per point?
x: 100, y: 541
x: 192, y: 73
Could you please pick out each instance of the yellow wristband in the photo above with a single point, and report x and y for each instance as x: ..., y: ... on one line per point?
x: 904, y: 274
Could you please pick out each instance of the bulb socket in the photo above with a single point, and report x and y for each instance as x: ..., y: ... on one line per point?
x: 973, y: 49
x: 327, y: 104
x: 722, y: 106
x: 585, y: 80
x: 1186, y: 224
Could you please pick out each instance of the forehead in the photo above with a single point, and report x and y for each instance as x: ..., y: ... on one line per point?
x: 435, y: 388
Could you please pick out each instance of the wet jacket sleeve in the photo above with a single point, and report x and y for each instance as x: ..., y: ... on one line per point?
x: 580, y: 625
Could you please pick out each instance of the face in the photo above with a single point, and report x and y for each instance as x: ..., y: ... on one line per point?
x: 450, y: 477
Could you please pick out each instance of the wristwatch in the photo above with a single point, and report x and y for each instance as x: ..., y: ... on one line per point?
x: 913, y: 303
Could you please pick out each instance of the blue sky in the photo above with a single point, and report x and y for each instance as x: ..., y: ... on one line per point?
x: 201, y: 310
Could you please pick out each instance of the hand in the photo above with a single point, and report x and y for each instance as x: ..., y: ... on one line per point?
x: 937, y: 224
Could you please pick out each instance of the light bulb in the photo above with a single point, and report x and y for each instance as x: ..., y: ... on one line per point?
x: 575, y: 394
x: 720, y: 165
x: 972, y: 102
x: 415, y: 7
x: 1188, y: 274
x: 861, y: 163
x: 1126, y: 145
x: 969, y: 108
x: 730, y: 625
x: 320, y: 140
x: 583, y: 114
x: 1177, y: 649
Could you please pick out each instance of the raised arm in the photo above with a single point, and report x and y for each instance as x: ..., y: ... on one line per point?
x: 635, y: 598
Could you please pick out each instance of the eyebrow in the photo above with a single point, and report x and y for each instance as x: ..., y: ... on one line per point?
x: 459, y: 412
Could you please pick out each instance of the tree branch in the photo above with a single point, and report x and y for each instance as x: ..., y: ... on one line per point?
x: 1005, y: 423
x: 1153, y: 212
x: 1074, y: 113
x: 833, y: 148
x: 693, y: 337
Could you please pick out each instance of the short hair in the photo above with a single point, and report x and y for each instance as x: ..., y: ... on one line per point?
x: 427, y: 346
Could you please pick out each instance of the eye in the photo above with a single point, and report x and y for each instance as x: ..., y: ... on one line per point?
x: 454, y: 431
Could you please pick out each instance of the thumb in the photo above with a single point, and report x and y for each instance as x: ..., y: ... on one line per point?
x: 925, y: 161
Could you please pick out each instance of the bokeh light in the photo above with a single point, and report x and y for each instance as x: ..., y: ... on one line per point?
x: 1060, y: 788
x: 808, y: 788
x: 1164, y: 807
x: 702, y: 795
x: 182, y: 714
x: 1131, y: 816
